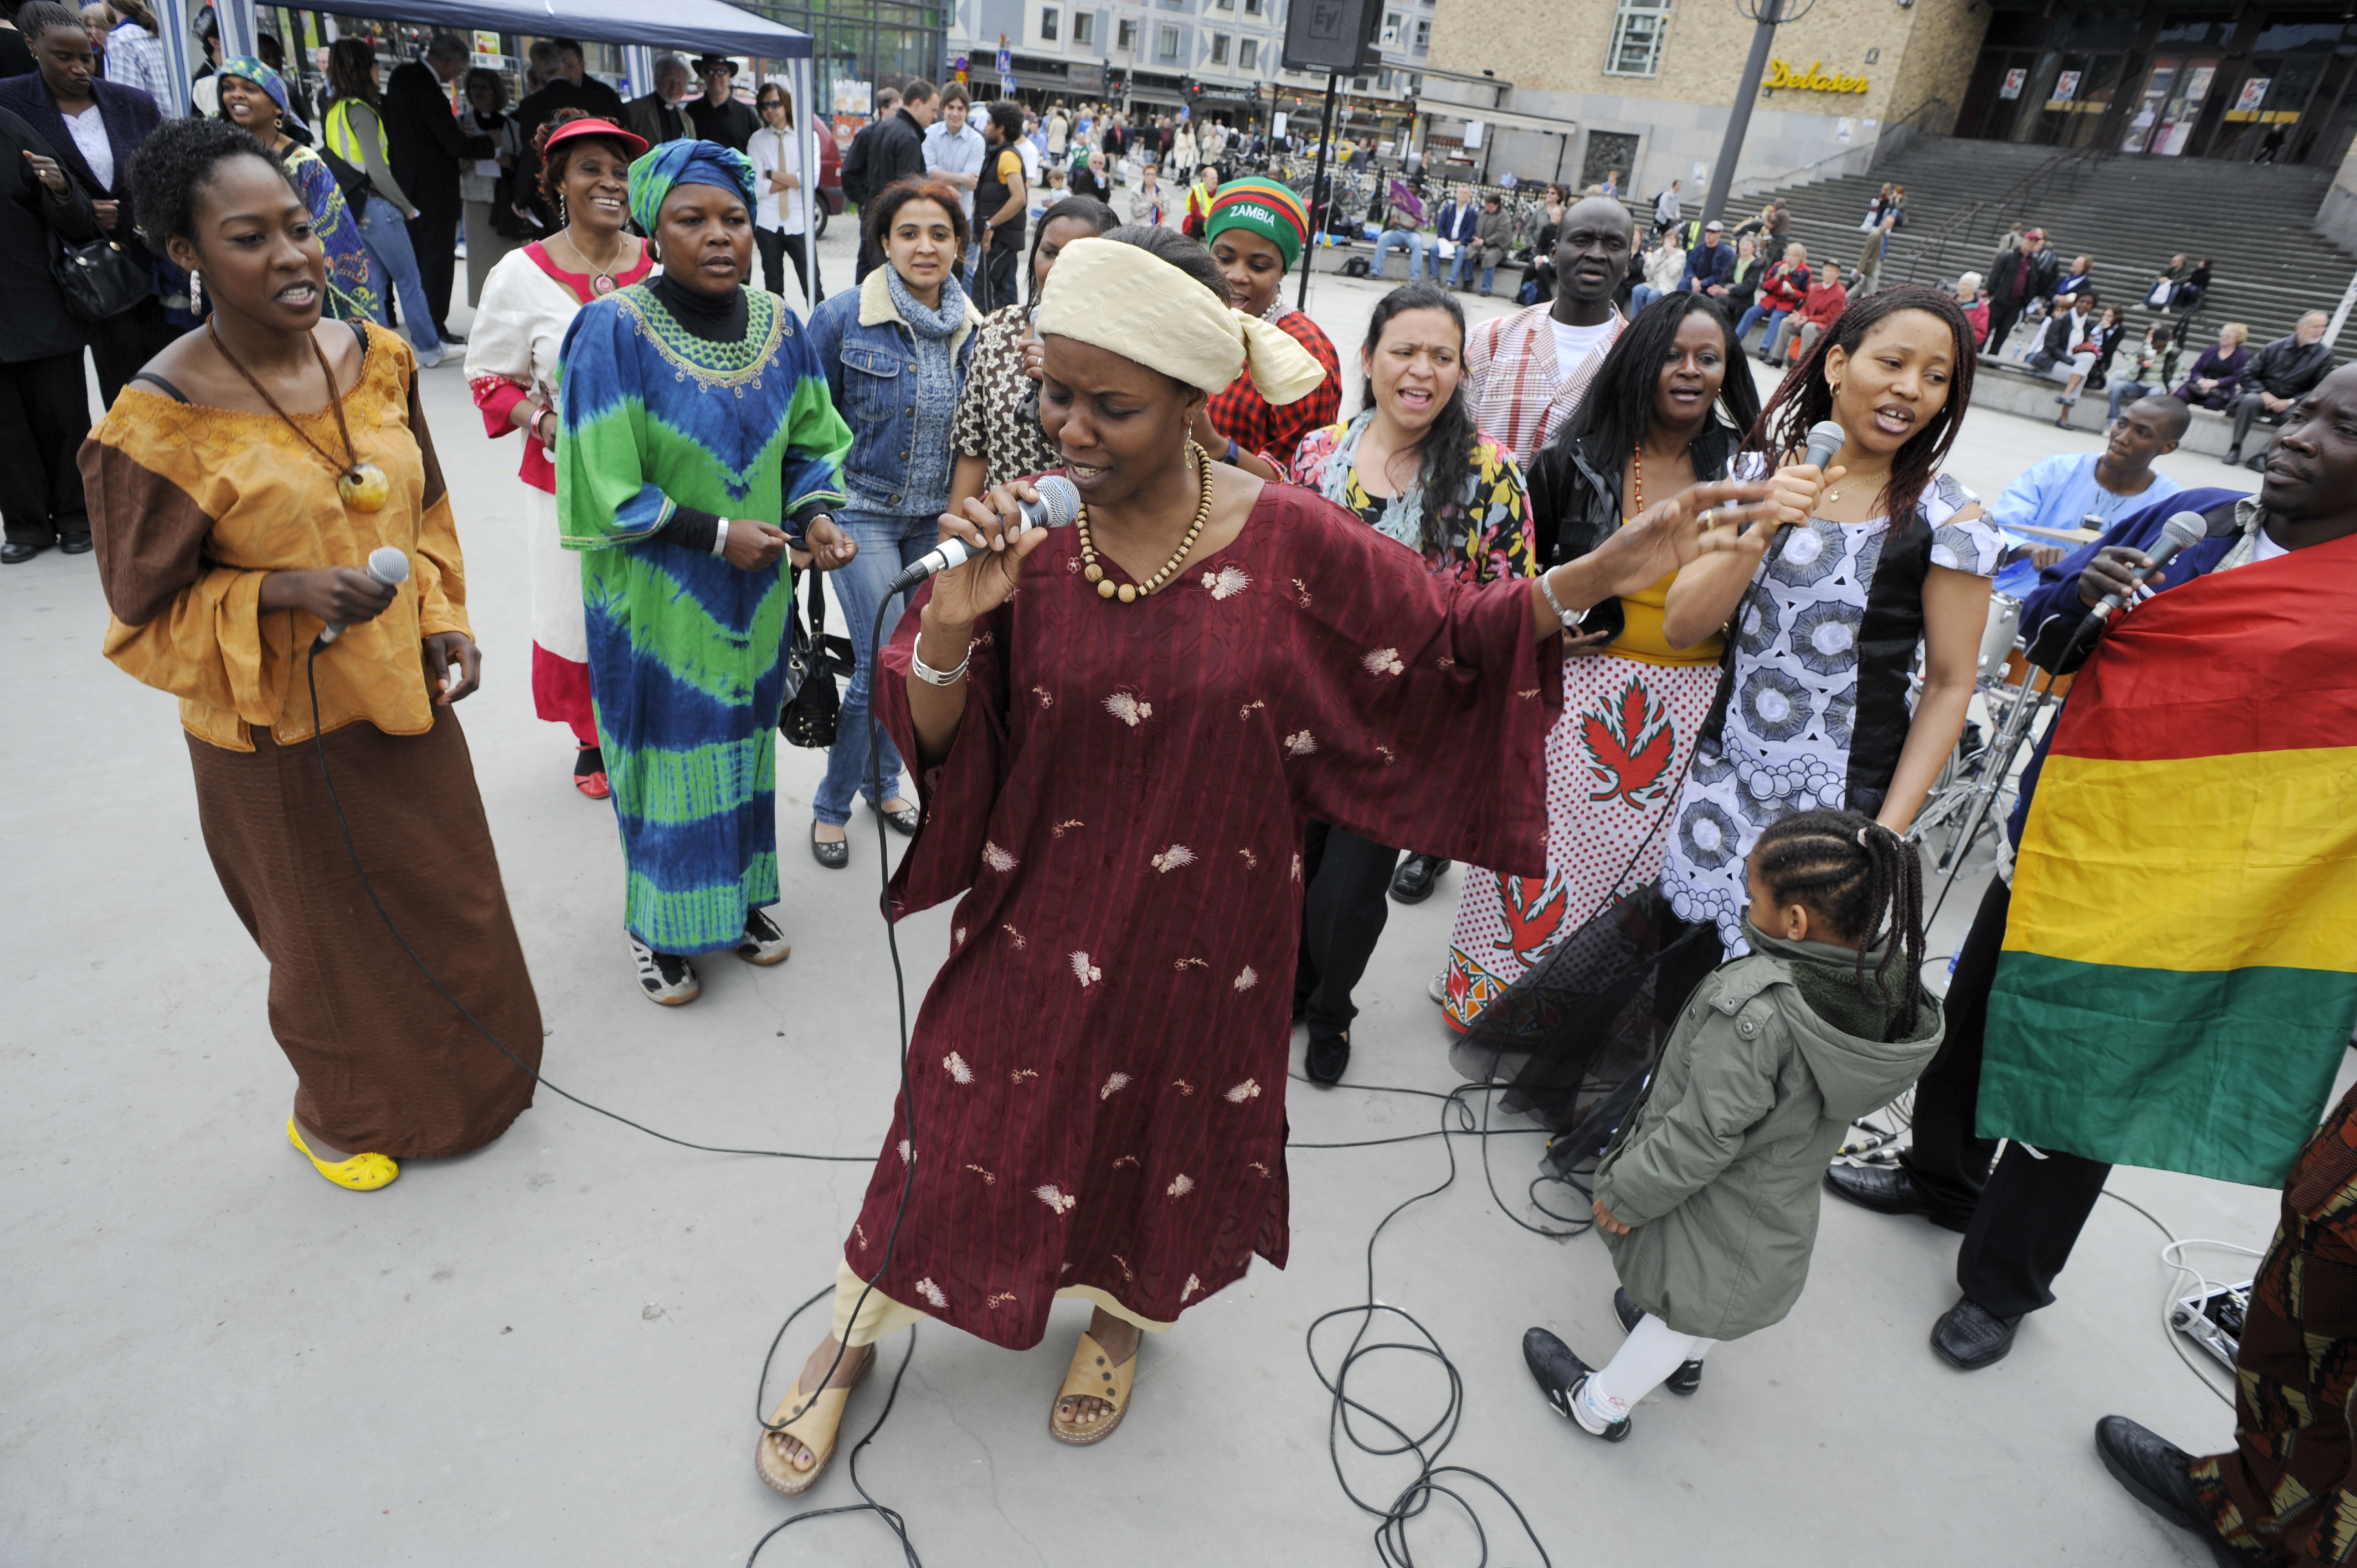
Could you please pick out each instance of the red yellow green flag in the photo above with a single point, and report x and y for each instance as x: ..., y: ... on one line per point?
x: 2180, y: 973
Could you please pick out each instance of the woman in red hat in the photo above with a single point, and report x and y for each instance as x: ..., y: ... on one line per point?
x: 527, y: 302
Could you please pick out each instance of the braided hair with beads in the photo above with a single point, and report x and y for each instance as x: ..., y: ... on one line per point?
x: 1866, y: 882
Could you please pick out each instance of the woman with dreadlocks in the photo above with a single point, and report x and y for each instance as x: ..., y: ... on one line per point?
x: 1708, y: 1194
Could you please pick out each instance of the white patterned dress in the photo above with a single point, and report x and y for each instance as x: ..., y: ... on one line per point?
x: 1824, y: 639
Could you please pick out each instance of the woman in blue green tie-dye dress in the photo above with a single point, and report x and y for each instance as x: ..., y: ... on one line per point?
x: 695, y: 422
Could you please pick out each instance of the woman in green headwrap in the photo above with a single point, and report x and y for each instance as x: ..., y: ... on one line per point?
x: 697, y: 443
x: 253, y: 97
x: 1255, y: 228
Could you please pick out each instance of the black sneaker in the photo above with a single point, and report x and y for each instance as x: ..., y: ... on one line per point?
x: 666, y: 977
x: 1560, y: 1376
x: 1688, y: 1376
x: 764, y: 944
x: 1328, y: 1057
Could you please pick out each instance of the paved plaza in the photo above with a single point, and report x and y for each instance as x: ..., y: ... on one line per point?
x: 545, y: 1353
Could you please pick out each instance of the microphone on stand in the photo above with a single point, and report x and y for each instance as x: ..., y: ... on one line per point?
x: 387, y: 565
x: 2182, y: 529
x: 1058, y: 504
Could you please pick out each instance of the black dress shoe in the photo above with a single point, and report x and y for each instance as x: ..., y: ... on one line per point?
x: 1328, y: 1057
x: 1412, y: 884
x: 1688, y: 1376
x: 1885, y: 1189
x: 834, y: 856
x: 904, y: 820
x: 15, y: 554
x: 2232, y: 458
x: 74, y: 543
x: 1560, y: 1376
x: 2156, y: 1474
x: 1969, y: 1336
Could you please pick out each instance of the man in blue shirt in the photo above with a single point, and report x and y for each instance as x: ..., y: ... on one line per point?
x: 1710, y: 264
x: 2095, y: 489
x: 2022, y: 1213
x: 954, y: 152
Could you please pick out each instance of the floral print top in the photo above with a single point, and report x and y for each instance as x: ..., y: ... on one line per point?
x: 1497, y: 538
x: 1824, y: 639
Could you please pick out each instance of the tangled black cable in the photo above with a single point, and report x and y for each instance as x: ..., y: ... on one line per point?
x: 1432, y: 1477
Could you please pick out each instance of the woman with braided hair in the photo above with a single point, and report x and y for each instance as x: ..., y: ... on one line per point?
x: 1708, y: 1195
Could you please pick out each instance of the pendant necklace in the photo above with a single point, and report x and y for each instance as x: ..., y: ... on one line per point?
x: 601, y: 279
x: 362, y: 486
x: 1128, y: 593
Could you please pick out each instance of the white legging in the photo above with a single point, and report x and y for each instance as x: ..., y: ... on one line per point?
x: 1651, y: 1353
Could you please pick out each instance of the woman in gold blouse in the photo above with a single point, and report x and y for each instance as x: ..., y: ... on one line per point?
x: 235, y: 486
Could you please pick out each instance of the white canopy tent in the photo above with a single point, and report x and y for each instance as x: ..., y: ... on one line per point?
x: 703, y: 26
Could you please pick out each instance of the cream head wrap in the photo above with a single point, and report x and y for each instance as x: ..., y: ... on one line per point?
x: 1130, y: 302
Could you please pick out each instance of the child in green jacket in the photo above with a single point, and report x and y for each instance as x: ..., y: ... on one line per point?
x: 1707, y: 1197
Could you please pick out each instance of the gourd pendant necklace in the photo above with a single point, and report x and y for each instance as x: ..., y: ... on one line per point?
x: 1129, y: 593
x: 362, y: 486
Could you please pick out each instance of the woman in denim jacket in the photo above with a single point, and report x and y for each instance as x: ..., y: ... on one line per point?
x: 896, y: 352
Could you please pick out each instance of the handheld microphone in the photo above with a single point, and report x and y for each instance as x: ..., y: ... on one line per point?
x: 1059, y: 503
x: 387, y: 565
x: 1825, y: 442
x: 2182, y: 529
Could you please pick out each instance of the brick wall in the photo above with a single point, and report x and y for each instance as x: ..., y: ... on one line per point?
x: 1941, y: 50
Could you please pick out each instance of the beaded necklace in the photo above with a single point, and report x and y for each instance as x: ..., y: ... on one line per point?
x: 1125, y: 592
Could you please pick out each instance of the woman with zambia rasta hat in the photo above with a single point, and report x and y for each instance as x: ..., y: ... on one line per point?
x: 698, y: 442
x: 235, y: 488
x: 1255, y: 228
x: 529, y: 301
x: 1113, y: 767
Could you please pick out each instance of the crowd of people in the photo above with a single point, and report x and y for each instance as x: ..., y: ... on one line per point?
x: 1564, y: 602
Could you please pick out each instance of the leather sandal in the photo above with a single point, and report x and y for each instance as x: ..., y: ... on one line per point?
x: 813, y: 1423
x: 1092, y: 1376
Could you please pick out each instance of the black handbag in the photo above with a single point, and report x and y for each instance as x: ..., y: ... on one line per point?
x: 99, y: 278
x: 815, y: 662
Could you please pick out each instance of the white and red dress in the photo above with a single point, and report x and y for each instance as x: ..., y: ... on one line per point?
x: 528, y: 303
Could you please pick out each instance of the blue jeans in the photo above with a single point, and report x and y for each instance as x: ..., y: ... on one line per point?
x: 886, y: 544
x: 390, y: 257
x: 1415, y: 245
x: 2126, y: 393
x: 1643, y: 294
x: 1768, y: 313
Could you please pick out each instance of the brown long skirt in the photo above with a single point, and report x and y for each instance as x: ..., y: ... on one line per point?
x: 385, y: 1063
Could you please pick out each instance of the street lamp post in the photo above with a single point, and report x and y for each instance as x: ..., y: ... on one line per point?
x: 1768, y: 15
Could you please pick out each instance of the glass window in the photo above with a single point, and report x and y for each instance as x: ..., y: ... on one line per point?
x: 1166, y: 42
x: 1218, y: 48
x: 1423, y: 34
x: 2195, y: 33
x: 1084, y: 27
x: 1225, y: 4
x: 2298, y: 36
x: 1047, y: 24
x: 1252, y: 7
x: 1637, y: 33
x: 1248, y: 54
x: 1126, y: 33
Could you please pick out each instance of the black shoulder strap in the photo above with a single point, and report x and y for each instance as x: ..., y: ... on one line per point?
x: 360, y: 336
x: 174, y: 393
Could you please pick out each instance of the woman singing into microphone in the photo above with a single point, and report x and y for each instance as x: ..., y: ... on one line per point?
x: 1114, y: 765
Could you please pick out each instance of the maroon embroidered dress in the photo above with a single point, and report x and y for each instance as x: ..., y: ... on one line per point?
x: 1099, y: 1069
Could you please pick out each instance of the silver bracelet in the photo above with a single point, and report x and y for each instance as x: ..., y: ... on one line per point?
x: 1546, y: 591
x: 720, y: 536
x: 932, y: 677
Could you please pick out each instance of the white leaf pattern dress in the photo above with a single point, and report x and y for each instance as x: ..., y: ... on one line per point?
x: 1824, y: 639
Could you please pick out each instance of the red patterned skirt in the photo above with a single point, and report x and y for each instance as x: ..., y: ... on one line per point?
x: 1614, y: 762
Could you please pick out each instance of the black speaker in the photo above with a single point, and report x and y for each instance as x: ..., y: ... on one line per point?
x: 1333, y: 37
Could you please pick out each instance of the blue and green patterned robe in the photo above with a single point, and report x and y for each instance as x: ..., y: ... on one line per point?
x: 686, y: 652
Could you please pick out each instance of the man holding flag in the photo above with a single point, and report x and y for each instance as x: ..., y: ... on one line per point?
x: 2168, y: 975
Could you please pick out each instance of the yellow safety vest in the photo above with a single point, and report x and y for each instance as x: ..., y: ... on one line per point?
x: 345, y: 142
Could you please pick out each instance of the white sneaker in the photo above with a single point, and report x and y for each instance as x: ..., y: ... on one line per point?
x: 426, y: 361
x: 1438, y: 989
x: 764, y: 943
x: 665, y: 977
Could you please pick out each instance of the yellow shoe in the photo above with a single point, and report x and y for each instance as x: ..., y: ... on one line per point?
x: 361, y: 1173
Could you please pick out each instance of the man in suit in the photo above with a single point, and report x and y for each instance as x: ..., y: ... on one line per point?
x: 94, y: 128
x: 427, y: 149
x: 596, y: 96
x: 657, y: 116
x: 44, y: 412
